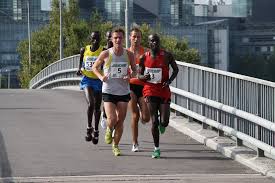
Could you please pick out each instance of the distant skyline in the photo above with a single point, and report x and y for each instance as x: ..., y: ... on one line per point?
x: 206, y: 1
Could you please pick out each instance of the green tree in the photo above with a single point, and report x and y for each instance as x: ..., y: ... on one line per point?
x: 45, y: 42
x: 179, y: 48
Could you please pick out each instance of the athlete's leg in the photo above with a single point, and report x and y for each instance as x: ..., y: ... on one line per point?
x: 145, y: 116
x: 90, y: 110
x: 153, y: 110
x: 97, y: 111
x: 110, y: 109
x: 89, y: 95
x: 121, y: 111
x: 135, y: 117
x: 164, y: 114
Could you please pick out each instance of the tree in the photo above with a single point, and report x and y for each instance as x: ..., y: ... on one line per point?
x: 179, y: 48
x: 45, y: 42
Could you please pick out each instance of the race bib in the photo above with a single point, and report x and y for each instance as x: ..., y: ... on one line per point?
x: 90, y: 60
x: 118, y: 70
x: 155, y: 74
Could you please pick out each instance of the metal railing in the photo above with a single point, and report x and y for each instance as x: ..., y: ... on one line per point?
x: 238, y: 105
x: 59, y: 73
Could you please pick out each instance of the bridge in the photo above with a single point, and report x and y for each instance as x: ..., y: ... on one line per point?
x: 221, y: 130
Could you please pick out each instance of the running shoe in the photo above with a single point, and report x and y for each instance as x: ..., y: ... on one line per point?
x: 89, y: 136
x: 103, y: 121
x: 156, y: 154
x: 108, y: 136
x: 135, y: 148
x: 95, y: 137
x: 161, y: 129
x: 116, y: 150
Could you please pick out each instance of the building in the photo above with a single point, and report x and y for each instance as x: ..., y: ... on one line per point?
x: 242, y: 8
x: 263, y: 11
x: 13, y: 28
x: 177, y: 12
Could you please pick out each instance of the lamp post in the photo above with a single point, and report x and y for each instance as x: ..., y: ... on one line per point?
x: 9, y: 78
x: 61, y: 36
x: 126, y: 23
x: 29, y: 35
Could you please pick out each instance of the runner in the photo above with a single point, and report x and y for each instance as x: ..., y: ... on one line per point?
x: 109, y: 44
x: 91, y: 85
x: 154, y: 70
x: 116, y: 92
x: 137, y: 104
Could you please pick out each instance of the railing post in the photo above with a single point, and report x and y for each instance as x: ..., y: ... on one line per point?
x: 190, y: 119
x: 258, y: 130
x: 239, y: 142
x: 204, y: 125
x: 218, y: 98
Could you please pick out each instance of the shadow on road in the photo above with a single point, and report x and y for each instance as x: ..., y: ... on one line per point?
x: 5, y: 168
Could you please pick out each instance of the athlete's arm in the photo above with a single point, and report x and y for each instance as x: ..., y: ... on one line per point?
x: 98, y: 63
x: 171, y: 61
x: 141, y: 75
x: 78, y: 72
x: 132, y: 63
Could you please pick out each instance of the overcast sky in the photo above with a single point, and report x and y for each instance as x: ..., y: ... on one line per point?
x: 206, y: 1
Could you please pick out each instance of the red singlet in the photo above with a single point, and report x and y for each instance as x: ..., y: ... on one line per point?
x: 156, y: 89
x: 136, y: 81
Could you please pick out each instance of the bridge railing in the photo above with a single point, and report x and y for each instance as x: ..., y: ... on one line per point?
x: 240, y: 106
x: 59, y: 73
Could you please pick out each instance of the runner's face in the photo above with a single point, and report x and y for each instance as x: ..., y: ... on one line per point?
x: 135, y: 38
x: 154, y: 42
x: 109, y: 36
x: 95, y: 38
x: 117, y: 39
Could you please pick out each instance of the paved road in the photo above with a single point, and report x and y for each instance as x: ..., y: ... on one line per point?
x: 42, y: 139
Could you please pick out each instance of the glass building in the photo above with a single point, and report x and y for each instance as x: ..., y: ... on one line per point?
x: 242, y: 8
x: 177, y: 12
x: 14, y: 28
x: 115, y: 11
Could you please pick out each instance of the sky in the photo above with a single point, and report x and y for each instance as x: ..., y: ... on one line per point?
x: 206, y: 1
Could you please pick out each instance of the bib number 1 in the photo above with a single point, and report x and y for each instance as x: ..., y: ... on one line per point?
x: 155, y: 74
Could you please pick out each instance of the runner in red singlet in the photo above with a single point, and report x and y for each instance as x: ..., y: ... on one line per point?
x: 154, y: 71
x: 137, y: 104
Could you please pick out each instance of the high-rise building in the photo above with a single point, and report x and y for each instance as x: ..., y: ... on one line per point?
x: 242, y: 8
x: 177, y: 12
x: 263, y: 11
x: 13, y: 28
x: 115, y: 11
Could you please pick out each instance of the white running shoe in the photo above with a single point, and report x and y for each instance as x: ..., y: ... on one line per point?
x: 103, y: 122
x: 135, y: 148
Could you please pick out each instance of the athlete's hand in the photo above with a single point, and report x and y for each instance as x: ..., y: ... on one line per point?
x: 147, y: 77
x: 78, y: 72
x: 166, y: 83
x: 126, y: 78
x: 105, y: 78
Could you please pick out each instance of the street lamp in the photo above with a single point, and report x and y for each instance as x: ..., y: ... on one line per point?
x: 29, y: 34
x: 61, y: 36
x: 9, y: 77
x: 126, y: 23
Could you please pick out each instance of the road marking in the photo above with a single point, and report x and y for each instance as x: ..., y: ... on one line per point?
x: 129, y: 178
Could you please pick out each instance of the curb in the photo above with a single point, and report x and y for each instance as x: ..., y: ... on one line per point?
x: 225, y: 145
